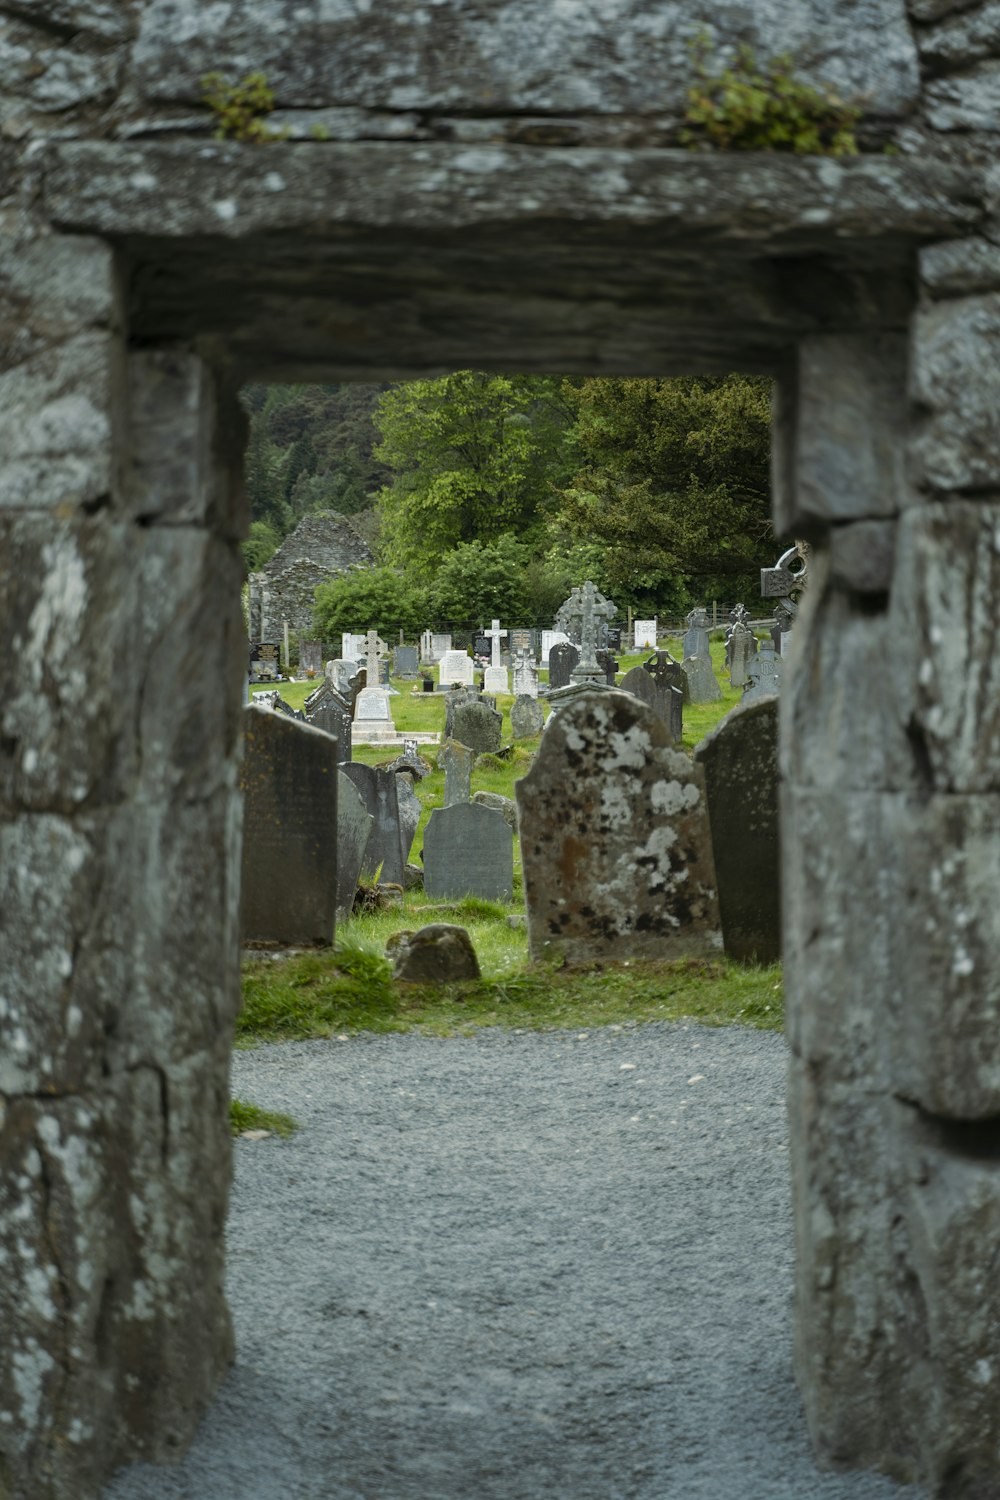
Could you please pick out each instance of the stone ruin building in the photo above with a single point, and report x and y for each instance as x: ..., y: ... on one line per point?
x: 499, y: 187
x: 323, y: 545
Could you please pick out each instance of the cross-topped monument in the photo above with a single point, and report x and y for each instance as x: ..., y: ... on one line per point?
x: 784, y: 582
x: 495, y: 679
x: 592, y: 608
x: 375, y: 648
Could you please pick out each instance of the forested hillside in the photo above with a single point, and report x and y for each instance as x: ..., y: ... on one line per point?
x: 494, y: 494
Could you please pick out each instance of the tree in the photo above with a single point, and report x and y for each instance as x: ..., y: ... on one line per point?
x: 473, y: 457
x: 674, y: 485
x: 261, y: 544
x: 370, y: 599
x: 479, y: 580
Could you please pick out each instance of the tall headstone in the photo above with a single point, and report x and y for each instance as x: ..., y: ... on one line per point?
x: 373, y: 723
x: 410, y: 807
x: 659, y: 683
x: 457, y: 667
x: 468, y: 851
x: 740, y: 762
x: 330, y: 711
x: 563, y: 657
x: 525, y: 673
x: 379, y: 792
x: 456, y: 761
x: 495, y: 678
x: 289, y: 783
x: 741, y: 645
x: 454, y: 699
x: 479, y: 726
x: 615, y: 841
x: 354, y: 826
x: 763, y: 674
x: 527, y: 718
x: 696, y: 636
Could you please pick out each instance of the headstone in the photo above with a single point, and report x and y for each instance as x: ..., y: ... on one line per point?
x: 468, y: 851
x: 276, y: 702
x: 702, y: 683
x: 405, y: 662
x: 585, y: 615
x: 741, y: 645
x: 525, y: 673
x: 438, y: 954
x: 457, y: 666
x: 354, y: 826
x: 782, y: 624
x: 479, y: 726
x: 552, y: 638
x: 785, y: 582
x: 289, y: 873
x: 613, y: 639
x: 495, y: 678
x: 440, y: 646
x: 373, y: 722
x: 644, y: 635
x: 352, y: 647
x: 740, y: 762
x: 453, y: 700
x: 339, y: 673
x: 330, y: 711
x: 522, y: 640
x: 311, y: 658
x: 378, y: 790
x: 615, y: 842
x: 661, y: 689
x: 740, y: 615
x: 265, y: 661
x: 410, y: 808
x: 763, y: 674
x: 505, y: 806
x: 526, y: 718
x: 563, y: 657
x: 456, y: 761
x: 696, y: 636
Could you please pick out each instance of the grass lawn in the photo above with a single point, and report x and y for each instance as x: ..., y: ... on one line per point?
x: 350, y: 988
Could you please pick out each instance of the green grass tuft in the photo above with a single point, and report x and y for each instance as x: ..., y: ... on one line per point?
x: 244, y: 1116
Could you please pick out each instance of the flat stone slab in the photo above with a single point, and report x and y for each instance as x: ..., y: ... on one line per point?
x: 615, y: 842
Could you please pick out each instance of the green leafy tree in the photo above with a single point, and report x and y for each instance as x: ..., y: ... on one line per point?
x: 674, y: 486
x: 473, y: 456
x: 370, y: 599
x: 478, y: 580
x: 260, y: 545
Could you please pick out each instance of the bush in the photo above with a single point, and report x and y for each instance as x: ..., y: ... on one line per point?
x: 370, y: 599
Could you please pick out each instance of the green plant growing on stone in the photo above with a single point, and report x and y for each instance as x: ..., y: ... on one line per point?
x: 763, y: 107
x: 240, y: 109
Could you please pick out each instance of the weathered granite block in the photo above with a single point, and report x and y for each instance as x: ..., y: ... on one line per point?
x: 289, y: 781
x: 955, y: 382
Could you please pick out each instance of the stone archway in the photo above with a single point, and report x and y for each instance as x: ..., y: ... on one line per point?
x: 140, y: 280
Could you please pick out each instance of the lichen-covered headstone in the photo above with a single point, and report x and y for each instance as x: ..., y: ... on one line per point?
x: 527, y: 718
x: 354, y: 826
x: 289, y: 783
x: 468, y: 851
x: 615, y: 842
x: 438, y: 954
x: 456, y: 761
x: 478, y: 726
x: 740, y: 761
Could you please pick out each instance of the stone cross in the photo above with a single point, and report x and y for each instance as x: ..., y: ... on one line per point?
x: 591, y: 606
x: 763, y: 673
x: 495, y: 635
x: 785, y: 581
x: 374, y: 648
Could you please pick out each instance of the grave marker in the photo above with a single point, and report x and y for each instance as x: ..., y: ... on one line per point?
x: 378, y: 791
x: 563, y: 657
x: 456, y: 760
x: 527, y: 718
x: 495, y: 678
x: 354, y: 826
x: 479, y: 726
x: 468, y: 851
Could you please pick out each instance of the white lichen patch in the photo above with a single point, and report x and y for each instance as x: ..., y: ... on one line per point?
x: 673, y: 798
x: 30, y: 1365
x: 629, y: 751
x: 56, y: 622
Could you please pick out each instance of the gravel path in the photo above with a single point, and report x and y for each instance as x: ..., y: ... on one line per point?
x: 513, y: 1266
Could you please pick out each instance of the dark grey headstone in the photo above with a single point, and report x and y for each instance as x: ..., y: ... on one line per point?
x: 405, y: 661
x: 410, y: 808
x: 563, y: 657
x: 354, y: 826
x: 265, y: 661
x: 385, y: 844
x: 330, y: 711
x: 609, y: 665
x: 662, y: 692
x: 468, y: 851
x: 740, y: 761
x: 456, y: 761
x: 615, y: 843
x: 527, y: 718
x: 454, y: 699
x: 478, y: 726
x: 696, y: 636
x: 741, y: 645
x: 289, y: 878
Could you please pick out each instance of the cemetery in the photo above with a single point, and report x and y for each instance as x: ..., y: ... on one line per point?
x: 504, y: 348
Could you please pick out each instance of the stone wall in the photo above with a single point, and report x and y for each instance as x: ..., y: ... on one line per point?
x: 503, y: 190
x: 322, y: 546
